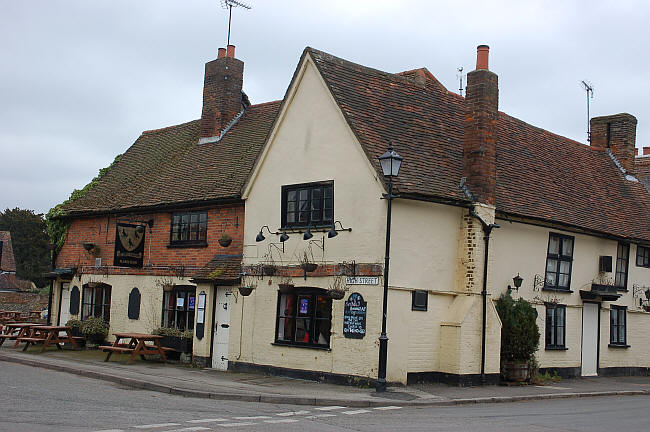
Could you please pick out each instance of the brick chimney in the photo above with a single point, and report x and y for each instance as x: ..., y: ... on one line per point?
x: 222, y: 92
x: 481, y: 114
x: 618, y: 133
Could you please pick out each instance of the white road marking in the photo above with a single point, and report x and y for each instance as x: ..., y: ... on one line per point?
x: 320, y: 416
x: 281, y: 421
x: 329, y: 408
x: 160, y: 425
x: 237, y: 424
x: 386, y: 408
x: 252, y: 418
x: 291, y: 413
x: 360, y: 411
x: 208, y: 420
x: 189, y: 429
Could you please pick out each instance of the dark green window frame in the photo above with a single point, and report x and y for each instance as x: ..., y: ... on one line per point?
x: 642, y: 256
x: 308, y: 204
x: 622, y: 265
x: 559, y: 261
x: 189, y: 228
x: 618, y: 326
x: 555, y: 326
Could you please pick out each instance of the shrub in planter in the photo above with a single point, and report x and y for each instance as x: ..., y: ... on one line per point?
x: 95, y: 330
x: 519, y: 336
x: 175, y: 339
x: 75, y: 327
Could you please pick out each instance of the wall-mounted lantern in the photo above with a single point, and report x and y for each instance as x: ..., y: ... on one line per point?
x: 517, y: 280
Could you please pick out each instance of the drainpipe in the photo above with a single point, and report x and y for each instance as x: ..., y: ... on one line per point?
x: 49, y: 297
x: 487, y: 230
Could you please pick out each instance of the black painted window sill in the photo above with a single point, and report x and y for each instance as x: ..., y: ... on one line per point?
x: 618, y: 346
x: 322, y: 348
x: 621, y: 289
x: 557, y: 349
x: 200, y: 244
x: 558, y: 290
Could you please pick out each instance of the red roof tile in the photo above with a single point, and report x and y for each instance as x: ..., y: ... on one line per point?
x: 540, y: 175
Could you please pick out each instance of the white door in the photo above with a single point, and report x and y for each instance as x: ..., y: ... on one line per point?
x: 590, y: 339
x: 64, y: 315
x: 221, y: 329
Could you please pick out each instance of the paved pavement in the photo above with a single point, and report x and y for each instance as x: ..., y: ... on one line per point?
x: 57, y: 401
x: 208, y: 383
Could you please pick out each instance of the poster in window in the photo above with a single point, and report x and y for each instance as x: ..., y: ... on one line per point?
x: 304, y: 306
x: 180, y: 302
x: 129, y: 245
x: 191, y: 303
x: 354, y: 317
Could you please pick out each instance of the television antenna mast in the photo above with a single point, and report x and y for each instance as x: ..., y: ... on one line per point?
x: 229, y: 4
x: 460, y: 76
x: 589, y: 88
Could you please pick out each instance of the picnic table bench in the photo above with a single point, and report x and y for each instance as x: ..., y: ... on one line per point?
x: 47, y: 335
x: 137, y: 345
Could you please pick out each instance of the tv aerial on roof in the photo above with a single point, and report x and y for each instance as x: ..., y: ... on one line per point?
x: 589, y: 88
x: 229, y: 4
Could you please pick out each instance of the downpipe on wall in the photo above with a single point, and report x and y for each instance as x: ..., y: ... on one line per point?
x: 487, y: 230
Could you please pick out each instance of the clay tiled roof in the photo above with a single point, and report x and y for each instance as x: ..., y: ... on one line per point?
x: 540, y: 175
x: 7, y: 263
x: 11, y: 282
x: 223, y: 269
x: 168, y: 167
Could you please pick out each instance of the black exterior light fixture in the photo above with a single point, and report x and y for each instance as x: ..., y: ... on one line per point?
x: 334, y: 232
x: 390, y: 163
x: 260, y: 237
x: 284, y: 237
x: 307, y: 234
x: 89, y: 246
x: 517, y: 280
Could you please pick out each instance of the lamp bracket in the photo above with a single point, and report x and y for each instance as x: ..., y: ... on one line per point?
x: 391, y: 196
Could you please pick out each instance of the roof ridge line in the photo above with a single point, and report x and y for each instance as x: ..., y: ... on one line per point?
x: 149, y: 131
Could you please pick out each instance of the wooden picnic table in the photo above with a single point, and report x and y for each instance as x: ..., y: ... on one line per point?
x: 9, y: 315
x: 13, y: 331
x: 137, y: 345
x: 47, y: 335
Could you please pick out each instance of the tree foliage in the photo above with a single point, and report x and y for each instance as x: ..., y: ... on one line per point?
x: 30, y: 243
x: 57, y: 225
x: 519, y: 333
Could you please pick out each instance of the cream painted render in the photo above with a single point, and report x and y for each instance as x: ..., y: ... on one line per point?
x: 312, y: 142
x: 151, y: 291
x: 521, y: 249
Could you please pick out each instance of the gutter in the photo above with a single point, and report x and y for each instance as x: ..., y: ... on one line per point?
x: 487, y: 230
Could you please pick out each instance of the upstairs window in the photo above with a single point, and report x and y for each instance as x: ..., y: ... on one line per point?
x: 309, y: 204
x: 622, y: 260
x: 189, y: 228
x: 642, y: 256
x: 558, y: 261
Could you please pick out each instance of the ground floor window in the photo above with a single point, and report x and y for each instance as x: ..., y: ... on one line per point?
x: 617, y: 325
x: 178, y: 307
x: 555, y: 326
x: 96, y: 301
x: 304, y: 318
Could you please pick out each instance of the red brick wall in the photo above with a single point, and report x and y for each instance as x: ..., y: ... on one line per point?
x: 158, y: 257
x: 617, y: 132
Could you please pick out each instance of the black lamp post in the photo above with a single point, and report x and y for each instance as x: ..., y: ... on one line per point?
x: 390, y: 164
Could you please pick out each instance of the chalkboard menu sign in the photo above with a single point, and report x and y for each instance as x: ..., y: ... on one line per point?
x: 354, y: 317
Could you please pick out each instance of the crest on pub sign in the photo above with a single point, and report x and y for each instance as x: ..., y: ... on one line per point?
x: 129, y: 245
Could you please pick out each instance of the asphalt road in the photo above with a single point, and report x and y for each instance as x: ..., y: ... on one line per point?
x: 33, y: 399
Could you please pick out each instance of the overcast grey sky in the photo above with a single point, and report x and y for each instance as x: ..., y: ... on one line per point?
x: 80, y: 80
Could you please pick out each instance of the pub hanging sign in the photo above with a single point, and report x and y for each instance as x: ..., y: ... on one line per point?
x: 129, y: 245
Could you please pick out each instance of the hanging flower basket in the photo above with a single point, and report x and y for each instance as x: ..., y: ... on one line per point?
x: 309, y: 267
x: 336, y: 294
x: 246, y: 290
x: 269, y: 269
x: 225, y: 240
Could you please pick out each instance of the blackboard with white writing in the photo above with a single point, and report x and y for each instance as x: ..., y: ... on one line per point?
x: 354, y: 317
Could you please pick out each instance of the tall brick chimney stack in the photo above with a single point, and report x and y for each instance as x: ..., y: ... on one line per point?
x: 222, y: 97
x: 481, y: 114
x: 618, y: 133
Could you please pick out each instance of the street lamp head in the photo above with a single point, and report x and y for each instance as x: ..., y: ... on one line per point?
x: 260, y: 237
x: 517, y: 280
x: 284, y: 237
x: 390, y: 162
x: 307, y: 234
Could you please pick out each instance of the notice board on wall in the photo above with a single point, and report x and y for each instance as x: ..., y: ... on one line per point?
x: 354, y: 317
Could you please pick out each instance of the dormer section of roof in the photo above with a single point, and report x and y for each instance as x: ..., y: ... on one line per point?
x: 223, y: 99
x: 618, y: 134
